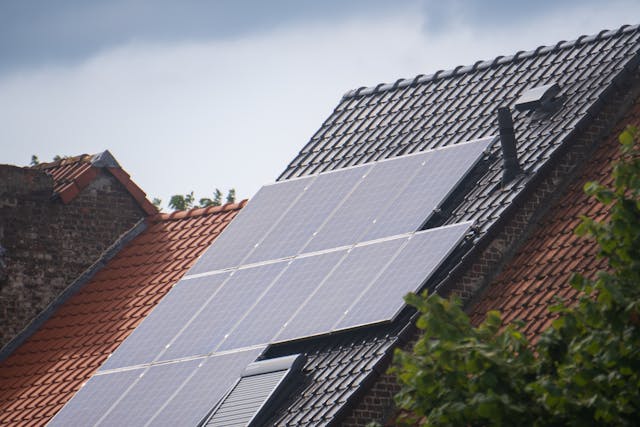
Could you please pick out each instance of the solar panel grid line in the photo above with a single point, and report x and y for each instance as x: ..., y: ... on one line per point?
x: 91, y: 400
x: 120, y: 398
x: 173, y: 395
x: 151, y: 390
x: 455, y: 162
x: 253, y: 306
x: 202, y: 392
x: 239, y: 238
x: 349, y: 222
x: 278, y: 304
x: 211, y: 323
x: 380, y: 273
x: 296, y: 228
x: 299, y: 309
x: 440, y: 242
x: 359, y: 266
x: 365, y: 173
x: 191, y: 319
x: 171, y: 311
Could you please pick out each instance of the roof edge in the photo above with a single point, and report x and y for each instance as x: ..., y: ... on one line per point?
x: 481, y: 65
x: 132, y: 188
x: 196, y: 212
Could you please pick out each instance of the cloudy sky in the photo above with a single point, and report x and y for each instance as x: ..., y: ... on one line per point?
x: 194, y: 94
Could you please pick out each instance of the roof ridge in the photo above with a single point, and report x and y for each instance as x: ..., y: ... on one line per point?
x: 80, y: 158
x: 480, y: 65
x: 196, y: 212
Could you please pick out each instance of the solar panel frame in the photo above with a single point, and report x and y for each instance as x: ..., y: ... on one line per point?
x: 95, y: 398
x: 290, y: 290
x: 209, y: 383
x: 352, y: 275
x: 208, y: 328
x: 357, y: 213
x: 308, y: 214
x: 387, y: 287
x: 251, y: 225
x: 149, y: 393
x: 164, y: 323
x: 441, y: 172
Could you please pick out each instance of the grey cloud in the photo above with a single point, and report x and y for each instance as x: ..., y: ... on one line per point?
x: 441, y: 15
x: 35, y: 32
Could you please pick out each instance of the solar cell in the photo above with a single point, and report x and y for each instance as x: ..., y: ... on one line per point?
x: 282, y: 299
x: 327, y: 305
x: 251, y: 225
x: 439, y: 174
x: 207, y: 329
x: 202, y: 391
x: 307, y: 215
x: 153, y: 389
x: 157, y: 330
x: 356, y: 214
x: 417, y: 260
x: 95, y: 398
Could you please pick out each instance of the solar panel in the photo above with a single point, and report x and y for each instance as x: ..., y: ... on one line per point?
x: 250, y: 225
x: 151, y: 391
x: 351, y: 277
x: 439, y: 174
x: 307, y: 215
x: 95, y: 398
x: 204, y: 389
x: 350, y: 222
x: 289, y: 292
x: 157, y: 330
x: 415, y: 263
x: 207, y: 329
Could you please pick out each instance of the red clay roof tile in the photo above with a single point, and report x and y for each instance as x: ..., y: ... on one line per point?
x: 50, y: 366
x: 543, y: 265
x: 71, y: 175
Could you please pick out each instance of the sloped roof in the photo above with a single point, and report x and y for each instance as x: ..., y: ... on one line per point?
x: 460, y: 105
x: 72, y: 174
x: 448, y: 108
x: 544, y: 264
x: 51, y: 365
x: 433, y: 111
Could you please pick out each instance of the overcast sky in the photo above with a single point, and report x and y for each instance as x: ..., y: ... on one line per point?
x: 194, y: 95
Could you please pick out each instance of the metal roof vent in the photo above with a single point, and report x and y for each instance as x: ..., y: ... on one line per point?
x: 540, y: 100
x: 511, y: 167
x: 256, y: 393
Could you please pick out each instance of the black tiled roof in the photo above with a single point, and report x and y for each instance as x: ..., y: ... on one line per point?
x: 336, y: 370
x: 460, y: 105
x: 426, y: 112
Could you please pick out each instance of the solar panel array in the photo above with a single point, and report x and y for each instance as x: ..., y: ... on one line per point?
x: 305, y: 257
x: 173, y: 394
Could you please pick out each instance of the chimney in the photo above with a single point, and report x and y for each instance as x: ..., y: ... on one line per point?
x: 511, y: 167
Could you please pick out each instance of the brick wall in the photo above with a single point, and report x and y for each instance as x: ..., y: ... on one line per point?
x: 48, y: 244
x: 376, y: 404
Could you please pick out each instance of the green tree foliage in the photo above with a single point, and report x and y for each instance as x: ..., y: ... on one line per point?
x: 180, y: 202
x: 584, y: 370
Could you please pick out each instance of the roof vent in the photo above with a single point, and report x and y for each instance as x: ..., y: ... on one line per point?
x: 256, y: 393
x: 540, y: 99
x: 511, y: 167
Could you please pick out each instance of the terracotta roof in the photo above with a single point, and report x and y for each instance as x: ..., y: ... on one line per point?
x: 50, y: 366
x: 72, y: 174
x: 541, y: 269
